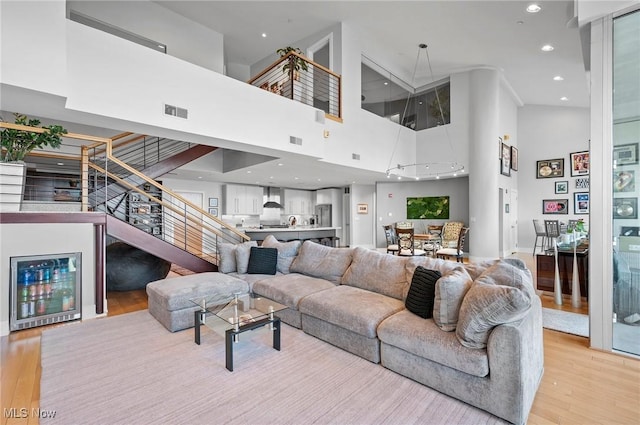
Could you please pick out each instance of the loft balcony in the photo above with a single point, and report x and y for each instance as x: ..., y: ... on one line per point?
x: 298, y: 78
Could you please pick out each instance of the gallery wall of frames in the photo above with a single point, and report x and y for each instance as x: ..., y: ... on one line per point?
x: 570, y: 191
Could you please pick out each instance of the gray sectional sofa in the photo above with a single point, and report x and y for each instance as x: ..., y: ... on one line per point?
x: 483, y: 344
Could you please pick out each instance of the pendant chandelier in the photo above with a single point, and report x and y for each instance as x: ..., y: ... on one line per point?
x: 425, y: 170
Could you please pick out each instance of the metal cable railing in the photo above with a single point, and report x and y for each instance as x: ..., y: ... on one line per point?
x: 128, y: 194
x: 316, y: 86
x: 142, y: 202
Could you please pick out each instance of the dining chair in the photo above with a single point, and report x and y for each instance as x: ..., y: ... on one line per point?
x: 450, y: 233
x: 541, y: 232
x: 406, y: 243
x: 552, y: 228
x: 458, y: 251
x: 392, y: 239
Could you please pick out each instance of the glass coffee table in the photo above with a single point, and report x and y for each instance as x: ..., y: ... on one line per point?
x: 244, y: 313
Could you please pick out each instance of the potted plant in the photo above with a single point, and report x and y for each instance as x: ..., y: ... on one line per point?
x: 294, y: 61
x: 16, y: 144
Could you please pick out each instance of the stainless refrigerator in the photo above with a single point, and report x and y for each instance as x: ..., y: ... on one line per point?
x: 323, y: 213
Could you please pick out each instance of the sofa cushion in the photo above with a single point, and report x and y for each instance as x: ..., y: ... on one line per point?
x: 176, y: 293
x: 227, y: 262
x: 450, y: 291
x: 289, y: 289
x: 262, y: 260
x: 423, y: 338
x: 351, y: 308
x: 287, y: 251
x: 502, y: 294
x: 227, y: 257
x: 243, y: 251
x: 322, y: 261
x: 422, y: 292
x: 377, y: 272
x: 474, y: 269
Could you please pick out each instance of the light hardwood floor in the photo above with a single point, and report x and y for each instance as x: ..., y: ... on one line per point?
x: 579, y: 386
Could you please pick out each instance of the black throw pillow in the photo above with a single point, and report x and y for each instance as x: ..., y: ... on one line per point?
x: 422, y: 292
x: 262, y: 260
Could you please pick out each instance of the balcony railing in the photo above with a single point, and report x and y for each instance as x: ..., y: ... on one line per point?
x: 316, y: 86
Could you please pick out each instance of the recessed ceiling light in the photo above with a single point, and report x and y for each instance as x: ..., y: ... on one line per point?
x: 264, y: 35
x: 558, y: 78
x: 386, y: 83
x: 547, y: 48
x: 564, y: 98
x: 533, y: 8
x: 296, y: 178
x: 280, y: 164
x: 248, y: 171
x: 199, y: 177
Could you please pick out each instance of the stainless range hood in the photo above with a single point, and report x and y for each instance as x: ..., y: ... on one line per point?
x: 271, y: 203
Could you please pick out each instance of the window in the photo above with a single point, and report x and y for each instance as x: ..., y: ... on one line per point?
x: 386, y: 95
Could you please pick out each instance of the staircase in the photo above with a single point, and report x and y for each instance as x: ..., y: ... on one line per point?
x: 171, y: 227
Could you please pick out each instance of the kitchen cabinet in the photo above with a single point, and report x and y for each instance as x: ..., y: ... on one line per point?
x: 144, y: 212
x: 241, y: 199
x: 298, y: 202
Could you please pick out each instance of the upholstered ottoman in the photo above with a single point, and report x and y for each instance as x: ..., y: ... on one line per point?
x: 170, y: 299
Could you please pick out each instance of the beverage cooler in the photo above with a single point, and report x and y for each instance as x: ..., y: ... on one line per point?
x: 45, y: 289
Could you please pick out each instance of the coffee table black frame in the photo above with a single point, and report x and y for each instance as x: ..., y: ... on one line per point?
x: 232, y: 335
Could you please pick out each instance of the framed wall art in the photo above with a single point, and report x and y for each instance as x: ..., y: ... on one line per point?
x: 581, y: 203
x: 579, y: 163
x: 625, y: 208
x: 428, y: 207
x: 582, y: 183
x: 624, y: 181
x: 562, y: 187
x: 514, y: 158
x: 213, y: 211
x: 505, y: 160
x: 555, y: 206
x: 363, y: 208
x: 625, y: 154
x: 550, y: 168
x: 213, y: 202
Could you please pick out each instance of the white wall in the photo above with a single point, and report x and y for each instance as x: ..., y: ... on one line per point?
x: 363, y: 225
x: 184, y: 39
x: 42, y: 239
x: 392, y: 202
x: 547, y: 132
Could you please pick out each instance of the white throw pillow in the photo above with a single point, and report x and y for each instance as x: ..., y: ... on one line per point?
x: 243, y: 251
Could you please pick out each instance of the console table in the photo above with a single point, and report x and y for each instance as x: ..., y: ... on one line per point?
x: 545, y: 270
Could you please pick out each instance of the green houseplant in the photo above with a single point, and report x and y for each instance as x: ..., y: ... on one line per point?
x: 16, y: 144
x: 294, y: 61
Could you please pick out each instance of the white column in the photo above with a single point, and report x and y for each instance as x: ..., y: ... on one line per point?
x: 483, y: 164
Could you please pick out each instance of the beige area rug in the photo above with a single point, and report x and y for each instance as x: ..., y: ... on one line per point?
x: 130, y: 370
x: 564, y: 321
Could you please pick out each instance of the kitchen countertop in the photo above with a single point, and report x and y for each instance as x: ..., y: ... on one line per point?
x: 286, y: 229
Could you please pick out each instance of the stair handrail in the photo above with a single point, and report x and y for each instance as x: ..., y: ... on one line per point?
x: 164, y: 189
x: 168, y: 205
x: 107, y: 144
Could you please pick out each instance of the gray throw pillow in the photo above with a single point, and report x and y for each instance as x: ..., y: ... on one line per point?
x: 502, y: 294
x: 321, y: 261
x: 287, y: 252
x: 243, y: 251
x: 227, y: 259
x: 450, y: 291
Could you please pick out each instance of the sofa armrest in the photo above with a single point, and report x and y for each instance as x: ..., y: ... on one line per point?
x: 516, y: 360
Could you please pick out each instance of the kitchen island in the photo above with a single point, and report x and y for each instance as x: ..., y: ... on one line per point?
x: 324, y: 235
